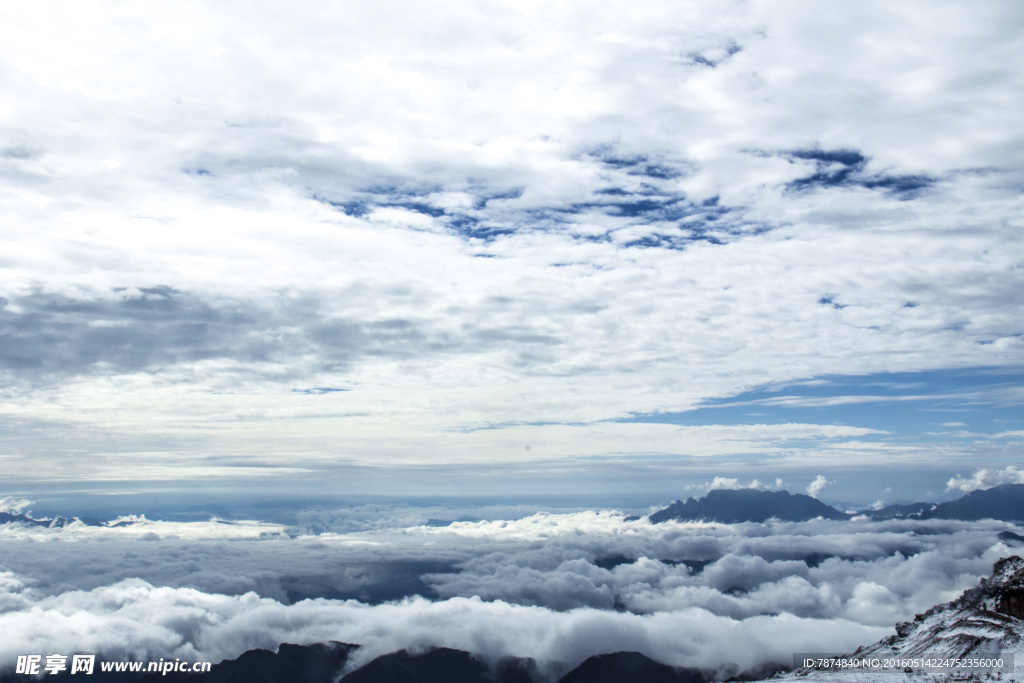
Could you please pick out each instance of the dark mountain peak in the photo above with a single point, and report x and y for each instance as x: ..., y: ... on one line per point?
x: 1010, y: 537
x: 627, y: 667
x: 55, y: 523
x: 732, y: 506
x: 442, y: 665
x: 10, y: 518
x: 1001, y: 489
x: 58, y: 522
x: 897, y: 511
x: 317, y: 663
x: 1004, y: 502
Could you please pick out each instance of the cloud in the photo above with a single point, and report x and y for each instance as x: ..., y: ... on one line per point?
x: 13, y: 505
x: 561, y: 586
x: 560, y: 561
x: 985, y: 478
x: 132, y: 619
x: 434, y: 247
x: 815, y: 487
x: 505, y: 220
x: 731, y: 483
x: 735, y: 483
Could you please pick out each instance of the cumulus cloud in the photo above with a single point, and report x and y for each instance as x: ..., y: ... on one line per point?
x: 731, y: 483
x: 14, y: 505
x: 985, y: 478
x: 815, y: 487
x: 735, y: 483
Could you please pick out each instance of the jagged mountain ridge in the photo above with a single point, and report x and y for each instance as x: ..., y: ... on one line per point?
x: 1004, y: 502
x: 56, y: 522
x: 899, y: 511
x: 630, y: 666
x: 442, y: 665
x: 732, y: 506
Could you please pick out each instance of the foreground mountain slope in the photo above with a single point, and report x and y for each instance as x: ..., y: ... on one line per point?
x: 986, y: 620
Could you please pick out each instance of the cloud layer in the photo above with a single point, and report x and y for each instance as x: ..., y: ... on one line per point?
x: 562, y: 586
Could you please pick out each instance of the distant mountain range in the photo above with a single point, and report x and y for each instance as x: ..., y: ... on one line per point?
x: 732, y: 506
x: 57, y: 522
x: 1005, y: 503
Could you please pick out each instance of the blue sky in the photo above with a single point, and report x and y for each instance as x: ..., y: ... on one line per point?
x: 510, y: 248
x: 975, y: 403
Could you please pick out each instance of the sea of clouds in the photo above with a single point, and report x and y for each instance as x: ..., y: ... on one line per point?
x: 555, y: 587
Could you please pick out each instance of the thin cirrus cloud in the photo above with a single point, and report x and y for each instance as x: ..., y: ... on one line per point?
x: 505, y: 218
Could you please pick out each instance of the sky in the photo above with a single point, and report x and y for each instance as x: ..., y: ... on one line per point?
x: 563, y: 249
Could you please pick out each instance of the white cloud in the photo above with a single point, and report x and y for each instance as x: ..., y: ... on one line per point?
x: 985, y: 478
x: 134, y: 619
x: 731, y: 483
x: 286, y: 246
x: 13, y: 505
x: 478, y: 216
x: 815, y: 487
x: 529, y: 560
x: 208, y: 590
x: 736, y: 483
x: 212, y: 590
